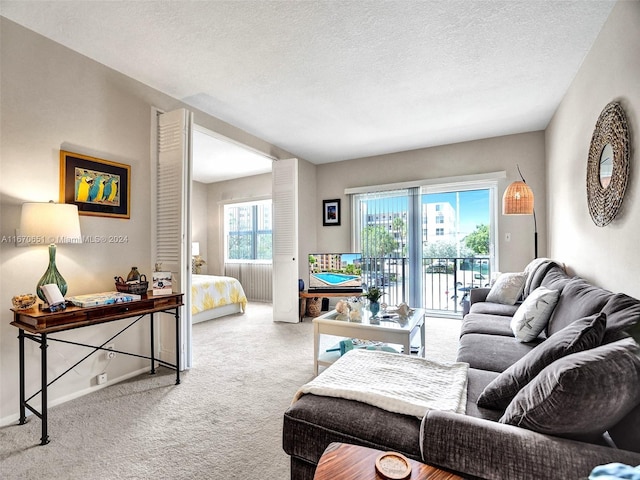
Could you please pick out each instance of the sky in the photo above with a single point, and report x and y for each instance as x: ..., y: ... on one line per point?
x: 473, y: 206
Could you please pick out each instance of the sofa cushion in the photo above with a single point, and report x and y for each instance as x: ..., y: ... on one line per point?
x: 537, y: 271
x: 561, y: 400
x: 581, y: 335
x: 314, y: 421
x: 490, y: 308
x: 622, y: 312
x: 485, y: 323
x: 534, y: 313
x: 555, y: 279
x: 507, y: 289
x: 578, y: 299
x: 492, y: 352
x: 477, y: 381
x: 626, y: 433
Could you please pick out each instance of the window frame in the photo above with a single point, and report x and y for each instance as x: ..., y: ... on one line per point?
x: 254, y: 232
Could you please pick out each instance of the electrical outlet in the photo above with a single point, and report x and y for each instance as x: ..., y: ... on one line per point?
x: 110, y: 355
x: 101, y: 379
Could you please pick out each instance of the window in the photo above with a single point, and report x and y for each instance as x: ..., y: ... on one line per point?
x: 247, y: 231
x: 407, y: 235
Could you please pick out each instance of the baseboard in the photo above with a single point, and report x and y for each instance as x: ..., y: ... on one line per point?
x: 11, y: 419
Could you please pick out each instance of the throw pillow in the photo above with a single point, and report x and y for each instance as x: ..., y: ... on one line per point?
x: 534, y: 313
x: 507, y: 289
x: 582, y: 334
x: 582, y: 395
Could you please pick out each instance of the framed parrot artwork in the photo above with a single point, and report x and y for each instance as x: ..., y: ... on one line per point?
x: 98, y: 187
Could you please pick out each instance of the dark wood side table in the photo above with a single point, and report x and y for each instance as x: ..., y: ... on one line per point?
x: 36, y: 325
x: 342, y: 461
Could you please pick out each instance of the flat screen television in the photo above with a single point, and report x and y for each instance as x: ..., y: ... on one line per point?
x: 335, y: 273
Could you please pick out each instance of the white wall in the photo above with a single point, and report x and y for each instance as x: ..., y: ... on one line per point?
x: 52, y: 99
x: 199, y: 212
x: 608, y: 256
x: 309, y: 216
x: 481, y: 156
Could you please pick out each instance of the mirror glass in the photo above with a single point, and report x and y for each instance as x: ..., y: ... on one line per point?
x: 606, y: 165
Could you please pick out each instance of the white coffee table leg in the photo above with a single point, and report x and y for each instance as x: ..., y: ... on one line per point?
x: 423, y: 336
x: 316, y: 347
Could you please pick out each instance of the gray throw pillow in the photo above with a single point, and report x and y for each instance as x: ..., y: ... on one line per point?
x: 582, y: 334
x: 582, y: 395
x: 534, y: 313
x: 507, y: 289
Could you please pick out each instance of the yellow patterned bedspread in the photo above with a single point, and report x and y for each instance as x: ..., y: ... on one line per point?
x: 210, y: 291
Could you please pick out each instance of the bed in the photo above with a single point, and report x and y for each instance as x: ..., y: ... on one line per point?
x: 213, y: 297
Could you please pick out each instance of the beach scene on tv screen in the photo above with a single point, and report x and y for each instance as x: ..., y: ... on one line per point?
x: 333, y: 270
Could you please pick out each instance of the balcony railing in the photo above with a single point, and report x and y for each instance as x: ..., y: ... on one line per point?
x: 445, y: 281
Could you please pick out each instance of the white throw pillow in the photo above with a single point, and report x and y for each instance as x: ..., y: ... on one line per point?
x: 507, y: 289
x: 534, y: 313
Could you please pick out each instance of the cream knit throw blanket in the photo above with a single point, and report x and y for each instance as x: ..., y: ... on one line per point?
x: 394, y: 382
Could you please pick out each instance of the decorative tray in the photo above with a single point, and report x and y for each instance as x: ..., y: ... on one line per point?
x: 393, y: 466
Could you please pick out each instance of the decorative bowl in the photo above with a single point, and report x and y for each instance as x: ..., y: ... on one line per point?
x: 24, y: 301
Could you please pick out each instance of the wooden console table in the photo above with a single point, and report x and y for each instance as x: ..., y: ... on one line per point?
x: 36, y: 325
x: 342, y: 461
x: 317, y: 295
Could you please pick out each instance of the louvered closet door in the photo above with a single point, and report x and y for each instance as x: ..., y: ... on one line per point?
x: 285, y: 240
x: 173, y: 221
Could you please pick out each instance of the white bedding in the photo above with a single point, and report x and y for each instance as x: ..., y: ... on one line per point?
x: 394, y: 382
x: 209, y: 292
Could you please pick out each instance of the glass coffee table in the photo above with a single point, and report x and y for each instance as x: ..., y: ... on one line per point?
x: 390, y: 329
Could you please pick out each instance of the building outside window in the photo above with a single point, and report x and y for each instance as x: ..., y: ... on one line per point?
x: 248, y: 231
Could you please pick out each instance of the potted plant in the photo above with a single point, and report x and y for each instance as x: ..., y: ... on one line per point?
x: 373, y: 295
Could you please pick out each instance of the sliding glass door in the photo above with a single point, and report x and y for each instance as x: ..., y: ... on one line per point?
x: 426, y: 245
x: 457, y: 234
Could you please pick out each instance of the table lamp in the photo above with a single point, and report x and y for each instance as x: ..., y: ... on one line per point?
x: 518, y: 199
x: 51, y: 223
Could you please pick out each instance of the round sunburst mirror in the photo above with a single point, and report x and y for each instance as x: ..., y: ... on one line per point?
x: 608, y: 165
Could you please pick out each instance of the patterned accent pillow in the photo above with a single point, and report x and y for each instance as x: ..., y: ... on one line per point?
x: 534, y: 314
x: 583, y: 334
x: 582, y: 395
x: 507, y: 289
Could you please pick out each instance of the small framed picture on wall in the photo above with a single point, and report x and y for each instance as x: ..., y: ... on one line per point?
x: 331, y: 212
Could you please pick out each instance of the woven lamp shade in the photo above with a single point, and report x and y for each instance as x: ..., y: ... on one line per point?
x: 517, y: 199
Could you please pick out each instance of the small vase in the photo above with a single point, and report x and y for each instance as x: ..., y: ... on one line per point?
x: 374, y: 307
x: 134, y: 275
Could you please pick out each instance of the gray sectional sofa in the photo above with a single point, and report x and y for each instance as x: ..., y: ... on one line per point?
x: 550, y: 408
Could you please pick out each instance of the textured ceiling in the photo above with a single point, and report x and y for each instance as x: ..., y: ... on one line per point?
x: 329, y: 80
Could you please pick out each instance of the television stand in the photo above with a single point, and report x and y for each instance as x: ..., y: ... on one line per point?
x: 316, y: 296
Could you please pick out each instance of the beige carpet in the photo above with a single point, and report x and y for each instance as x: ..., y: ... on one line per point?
x: 223, y: 422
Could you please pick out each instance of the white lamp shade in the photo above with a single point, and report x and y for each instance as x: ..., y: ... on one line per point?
x: 195, y: 248
x: 50, y: 223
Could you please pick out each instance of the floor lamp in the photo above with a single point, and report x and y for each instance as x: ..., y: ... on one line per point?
x: 518, y: 200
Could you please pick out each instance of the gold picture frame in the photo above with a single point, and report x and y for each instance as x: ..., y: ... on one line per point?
x: 98, y: 187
